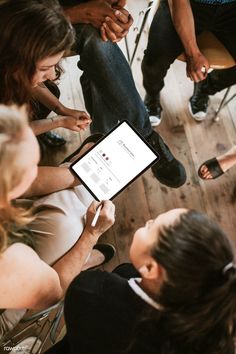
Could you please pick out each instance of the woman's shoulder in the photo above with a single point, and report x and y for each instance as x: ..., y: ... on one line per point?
x: 95, y: 284
x: 16, y: 255
x: 93, y: 281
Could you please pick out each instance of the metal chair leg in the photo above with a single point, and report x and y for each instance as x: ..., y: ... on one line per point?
x: 222, y: 104
x: 139, y: 34
x: 127, y: 49
x: 39, y: 327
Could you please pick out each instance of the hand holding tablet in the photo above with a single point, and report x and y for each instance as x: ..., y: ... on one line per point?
x: 114, y: 162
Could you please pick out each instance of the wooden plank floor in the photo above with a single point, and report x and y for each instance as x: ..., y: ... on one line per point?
x: 191, y: 142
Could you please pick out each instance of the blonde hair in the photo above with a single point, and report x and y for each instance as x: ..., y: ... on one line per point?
x: 13, y: 121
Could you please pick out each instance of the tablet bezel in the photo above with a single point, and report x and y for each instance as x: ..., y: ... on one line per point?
x: 105, y: 136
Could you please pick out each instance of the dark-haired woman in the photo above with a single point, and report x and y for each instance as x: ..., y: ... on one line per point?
x: 179, y: 297
x: 33, y: 39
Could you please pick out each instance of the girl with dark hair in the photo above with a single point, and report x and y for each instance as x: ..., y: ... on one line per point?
x: 33, y: 38
x: 178, y: 297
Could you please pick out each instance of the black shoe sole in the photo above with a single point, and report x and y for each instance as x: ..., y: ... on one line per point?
x: 173, y: 182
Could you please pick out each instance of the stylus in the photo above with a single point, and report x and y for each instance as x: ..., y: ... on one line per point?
x: 96, y: 216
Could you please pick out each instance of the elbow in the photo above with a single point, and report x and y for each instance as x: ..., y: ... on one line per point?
x: 47, y: 296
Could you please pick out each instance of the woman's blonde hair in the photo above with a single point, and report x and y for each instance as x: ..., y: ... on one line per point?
x: 13, y: 121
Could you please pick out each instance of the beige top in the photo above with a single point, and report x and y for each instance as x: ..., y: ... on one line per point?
x: 58, y: 225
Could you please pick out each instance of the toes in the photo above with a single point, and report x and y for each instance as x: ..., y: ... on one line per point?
x: 205, y: 173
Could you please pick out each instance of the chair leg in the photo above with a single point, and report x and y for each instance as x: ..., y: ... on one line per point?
x: 230, y: 99
x: 127, y: 49
x: 137, y: 40
x: 222, y: 104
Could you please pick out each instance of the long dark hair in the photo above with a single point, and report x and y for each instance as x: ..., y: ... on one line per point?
x: 29, y: 31
x: 198, y: 299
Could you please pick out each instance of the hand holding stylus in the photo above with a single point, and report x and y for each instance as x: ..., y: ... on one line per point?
x: 96, y: 216
x: 100, y: 217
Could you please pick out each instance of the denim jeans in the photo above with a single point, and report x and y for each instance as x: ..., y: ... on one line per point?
x: 108, y: 87
x: 164, y: 44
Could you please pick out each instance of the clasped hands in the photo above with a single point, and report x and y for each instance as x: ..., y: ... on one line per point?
x: 110, y: 17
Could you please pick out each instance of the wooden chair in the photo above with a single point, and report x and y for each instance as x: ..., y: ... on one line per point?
x: 218, y: 58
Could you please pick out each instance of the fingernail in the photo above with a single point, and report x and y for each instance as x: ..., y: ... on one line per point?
x: 117, y: 12
x: 107, y: 18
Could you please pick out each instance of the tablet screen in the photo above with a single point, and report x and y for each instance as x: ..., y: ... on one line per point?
x: 114, y: 162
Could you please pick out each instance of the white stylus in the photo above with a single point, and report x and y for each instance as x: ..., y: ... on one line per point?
x: 96, y: 216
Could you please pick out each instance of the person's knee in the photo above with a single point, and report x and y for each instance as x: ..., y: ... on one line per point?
x: 56, y: 232
x: 91, y: 43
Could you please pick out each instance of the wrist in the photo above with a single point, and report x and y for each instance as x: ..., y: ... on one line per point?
x: 192, y: 50
x: 60, y: 109
x: 76, y: 14
x: 58, y: 122
x: 91, y: 236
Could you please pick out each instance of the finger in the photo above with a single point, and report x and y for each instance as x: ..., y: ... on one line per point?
x: 107, y: 206
x: 118, y: 39
x: 127, y: 25
x: 121, y: 36
x: 113, y: 26
x: 93, y: 206
x: 199, y: 76
x: 110, y: 35
x: 131, y: 20
x: 207, y: 65
x: 194, y: 76
x: 122, y: 16
x: 80, y: 121
x: 84, y: 127
x: 124, y: 33
x: 85, y: 116
x: 76, y: 129
x: 103, y: 34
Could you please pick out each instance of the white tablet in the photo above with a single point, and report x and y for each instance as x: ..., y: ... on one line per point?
x: 114, y: 162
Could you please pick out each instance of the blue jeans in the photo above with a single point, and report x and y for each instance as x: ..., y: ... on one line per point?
x: 164, y: 44
x: 108, y: 87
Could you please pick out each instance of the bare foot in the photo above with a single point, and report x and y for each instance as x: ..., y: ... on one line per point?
x: 94, y: 260
x: 226, y: 161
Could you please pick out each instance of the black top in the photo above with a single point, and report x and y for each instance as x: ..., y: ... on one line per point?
x: 100, y: 311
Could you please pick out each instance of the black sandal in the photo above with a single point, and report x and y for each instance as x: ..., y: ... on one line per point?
x: 213, y: 167
x: 90, y: 139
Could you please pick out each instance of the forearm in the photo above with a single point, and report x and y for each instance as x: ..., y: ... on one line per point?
x: 71, y: 264
x: 50, y: 180
x: 183, y: 21
x: 92, y: 12
x: 43, y: 95
x: 76, y: 14
x: 41, y: 126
